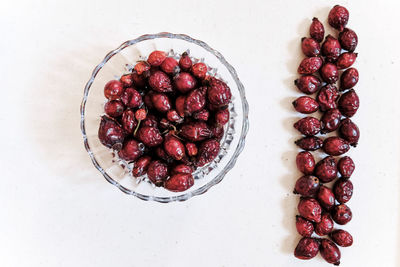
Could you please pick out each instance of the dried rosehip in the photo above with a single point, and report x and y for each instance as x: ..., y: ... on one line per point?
x: 185, y: 63
x: 140, y: 114
x: 331, y: 48
x: 329, y: 73
x: 330, y: 252
x: 330, y: 121
x: 221, y: 117
x: 317, y: 31
x: 341, y: 214
x: 304, y: 227
x: 218, y: 93
x: 141, y: 67
x: 131, y: 150
x: 308, y: 126
x: 114, y: 108
x: 174, y: 147
x: 345, y: 60
x: 180, y: 105
x: 160, y: 82
x: 195, y: 100
x: 305, y: 162
x: 338, y: 17
x: 335, y: 146
x: 349, y: 103
x: 326, y: 169
x: 349, y: 131
x: 309, y: 65
x: 169, y: 65
x: 307, y: 248
x: 305, y: 105
x: 310, y: 209
x: 208, y: 151
x: 348, y: 39
x: 161, y: 102
x: 113, y: 90
x: 327, y: 97
x: 343, y: 190
x: 217, y: 132
x: 191, y: 149
x: 346, y: 167
x: 184, y: 82
x: 348, y: 79
x: 150, y: 121
x: 325, y: 226
x: 201, y: 115
x: 310, y: 47
x: 126, y: 80
x: 179, y: 182
x: 156, y: 58
x: 160, y: 152
x: 173, y: 116
x: 308, y: 84
x: 157, y: 172
x: 111, y: 133
x: 326, y: 197
x: 140, y: 166
x: 199, y: 70
x: 342, y: 238
x: 196, y: 131
x: 309, y: 143
x: 181, y: 168
x: 128, y: 121
x: 150, y: 136
x: 131, y: 98
x: 306, y: 186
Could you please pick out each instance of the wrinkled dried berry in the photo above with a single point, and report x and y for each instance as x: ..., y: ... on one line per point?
x: 217, y: 132
x: 305, y: 162
x: 349, y: 103
x: 174, y: 147
x: 185, y: 63
x: 141, y: 67
x: 161, y: 102
x: 327, y: 97
x: 195, y: 101
x: 338, y: 17
x: 160, y: 82
x: 111, y: 133
x: 131, y: 150
x: 309, y: 65
x: 201, y: 115
x: 317, y: 30
x: 309, y: 143
x: 330, y: 252
x: 140, y: 166
x: 349, y: 131
x: 156, y: 58
x: 341, y: 214
x: 218, y: 92
x: 307, y: 248
x: 348, y: 39
x: 325, y: 226
x: 335, y: 146
x: 304, y: 227
x: 179, y: 182
x: 330, y: 121
x: 306, y: 186
x: 326, y: 169
x: 157, y: 172
x: 310, y: 209
x: 348, y: 79
x: 329, y: 73
x: 169, y: 65
x: 173, y: 116
x: 131, y: 98
x: 342, y: 238
x: 150, y: 121
x: 326, y: 197
x: 308, y: 126
x: 140, y: 114
x: 196, y: 131
x: 345, y: 60
x: 199, y: 70
x: 208, y: 151
x: 222, y: 117
x: 128, y: 121
x: 180, y: 105
x: 343, y: 190
x: 331, y: 48
x: 150, y: 136
x: 161, y: 154
x: 114, y: 108
x: 346, y: 167
x: 308, y: 84
x: 184, y: 82
x: 191, y: 149
x: 310, y: 47
x: 182, y: 168
x: 126, y: 80
x: 113, y: 90
x: 305, y: 105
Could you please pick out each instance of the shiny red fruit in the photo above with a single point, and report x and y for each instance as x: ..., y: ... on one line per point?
x: 309, y: 65
x: 185, y: 63
x: 191, y: 149
x: 349, y: 103
x: 305, y: 105
x: 113, y: 90
x: 343, y: 190
x: 338, y: 17
x: 349, y: 131
x: 330, y: 252
x: 196, y: 131
x: 307, y: 248
x: 307, y: 186
x: 308, y: 126
x: 128, y: 121
x: 335, y: 146
x: 114, y: 108
x: 308, y: 84
x: 161, y: 102
x: 348, y: 39
x: 180, y: 105
x: 342, y: 238
x: 140, y: 166
x: 329, y: 73
x: 179, y: 182
x: 331, y: 48
x: 341, y: 214
x: 310, y: 209
x: 131, y: 98
x: 346, y: 167
x: 111, y: 133
x: 174, y: 147
x: 317, y: 31
x: 199, y: 70
x: 208, y: 151
x: 157, y: 172
x: 345, y: 60
x: 131, y: 150
x: 156, y: 58
x: 195, y: 100
x: 170, y: 65
x: 140, y: 114
x: 326, y: 197
x: 349, y: 79
x: 141, y: 67
x: 126, y: 80
x: 325, y: 226
x: 305, y: 162
x: 150, y: 136
x: 173, y: 116
x: 218, y: 92
x: 222, y: 117
x: 327, y: 97
x: 330, y: 121
x: 326, y: 169
x: 304, y: 227
x: 310, y: 47
x: 201, y: 115
x: 184, y: 82
x: 182, y: 168
x: 309, y: 143
x: 160, y: 82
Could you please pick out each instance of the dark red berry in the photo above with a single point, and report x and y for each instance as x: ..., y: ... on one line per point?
x: 309, y: 143
x: 140, y: 114
x: 329, y: 73
x: 128, y: 121
x: 113, y: 90
x: 309, y: 65
x: 325, y: 226
x: 349, y: 131
x: 308, y: 84
x: 161, y: 154
x: 160, y: 82
x: 208, y: 151
x: 346, y: 167
x: 326, y: 197
x: 222, y: 117
x: 308, y: 126
x: 180, y: 105
x: 150, y: 136
x: 305, y: 162
x: 348, y: 39
x: 195, y: 100
x: 201, y: 115
x: 140, y: 166
x: 330, y: 252
x: 326, y: 169
x: 191, y: 149
x: 185, y: 63
x: 345, y: 60
x: 111, y: 133
x: 131, y: 98
x: 199, y: 70
x: 217, y: 132
x: 174, y: 147
x: 342, y: 238
x: 156, y: 58
x: 307, y: 248
x: 161, y: 102
x: 317, y: 31
x: 131, y: 150
x: 310, y: 209
x: 218, y: 92
x: 141, y: 67
x: 173, y: 116
x: 331, y: 48
x: 157, y: 172
x: 338, y: 17
x: 139, y: 81
x: 306, y: 186
x: 181, y: 168
x: 335, y: 146
x: 310, y: 47
x: 348, y: 79
x: 341, y: 214
x: 126, y: 80
x: 330, y: 121
x: 305, y: 105
x: 349, y: 103
x: 184, y: 82
x: 304, y: 227
x: 150, y: 121
x: 343, y: 190
x: 114, y: 108
x: 327, y: 97
x: 179, y: 182
x: 169, y: 65
x: 196, y: 131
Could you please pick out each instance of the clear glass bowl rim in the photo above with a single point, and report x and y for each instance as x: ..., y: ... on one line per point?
x: 245, y: 126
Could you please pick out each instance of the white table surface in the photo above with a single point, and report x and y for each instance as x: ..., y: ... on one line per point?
x: 57, y: 210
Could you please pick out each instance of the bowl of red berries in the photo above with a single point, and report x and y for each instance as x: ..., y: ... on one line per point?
x: 164, y: 117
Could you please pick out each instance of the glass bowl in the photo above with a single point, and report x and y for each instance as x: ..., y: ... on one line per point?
x: 120, y: 61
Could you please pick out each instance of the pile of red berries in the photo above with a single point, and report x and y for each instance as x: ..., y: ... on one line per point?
x: 166, y: 117
x: 320, y: 206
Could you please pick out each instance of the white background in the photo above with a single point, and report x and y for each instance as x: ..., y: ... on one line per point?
x: 56, y: 208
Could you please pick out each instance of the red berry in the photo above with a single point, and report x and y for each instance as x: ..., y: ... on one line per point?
x: 305, y: 162
x: 208, y: 151
x: 138, y: 80
x: 346, y: 167
x: 111, y: 133
x: 304, y: 227
x: 222, y: 117
x: 199, y: 70
x: 308, y: 126
x: 126, y: 80
x: 173, y: 116
x: 330, y: 121
x: 201, y: 115
x: 128, y: 121
x: 161, y: 102
x: 342, y: 238
x: 160, y: 82
x: 326, y: 169
x: 307, y: 186
x: 191, y: 149
x: 331, y: 48
x: 348, y: 79
x: 182, y: 168
x: 131, y: 150
x: 179, y: 182
x: 325, y: 226
x: 345, y: 60
x: 160, y: 152
x: 140, y: 166
x: 326, y: 197
x: 317, y: 31
x: 307, y: 248
x: 335, y: 146
x: 327, y: 97
x: 348, y: 39
x: 150, y: 136
x: 338, y: 17
x: 308, y: 84
x: 349, y: 103
x: 341, y: 214
x: 309, y: 65
x: 113, y: 90
x: 141, y: 67
x: 305, y: 105
x: 218, y: 92
x: 174, y: 147
x: 329, y: 73
x: 195, y: 100
x: 156, y: 58
x: 185, y: 63
x: 310, y: 47
x: 150, y: 121
x: 114, y: 108
x: 217, y: 132
x: 349, y: 131
x: 343, y: 190
x: 131, y: 98
x: 140, y: 114
x: 309, y: 143
x: 184, y: 82
x: 196, y: 131
x: 157, y: 172
x: 310, y: 209
x: 330, y: 252
x: 170, y: 65
x: 180, y: 105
